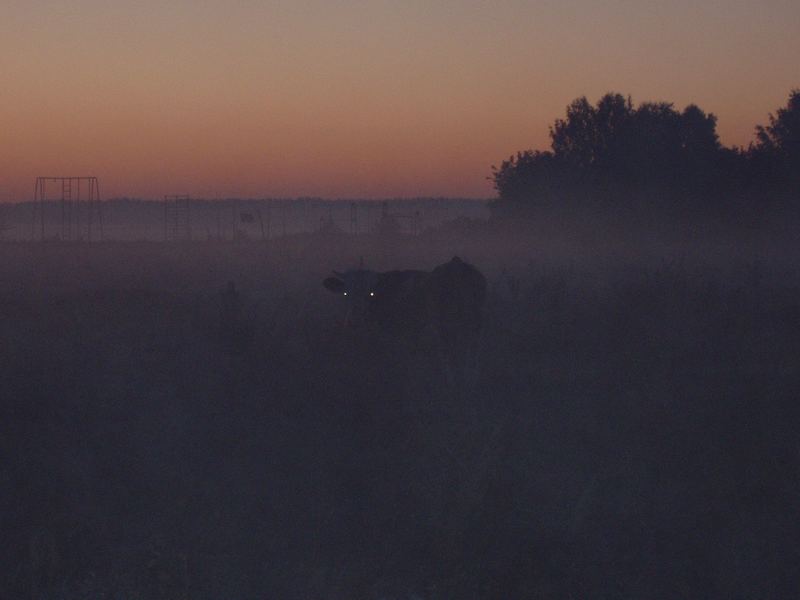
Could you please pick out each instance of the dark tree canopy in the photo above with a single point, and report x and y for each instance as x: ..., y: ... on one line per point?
x: 615, y: 151
x: 782, y: 135
x: 775, y: 157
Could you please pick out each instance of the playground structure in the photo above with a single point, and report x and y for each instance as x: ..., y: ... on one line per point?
x: 327, y: 224
x: 249, y: 218
x: 398, y: 223
x: 177, y: 218
x: 81, y: 215
x: 234, y: 220
x: 353, y: 218
x: 4, y: 226
x: 69, y: 209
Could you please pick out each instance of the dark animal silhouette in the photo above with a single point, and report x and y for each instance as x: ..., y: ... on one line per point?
x: 449, y: 300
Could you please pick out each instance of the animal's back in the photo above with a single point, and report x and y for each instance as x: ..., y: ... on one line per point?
x: 448, y: 300
x: 398, y: 305
x: 457, y: 293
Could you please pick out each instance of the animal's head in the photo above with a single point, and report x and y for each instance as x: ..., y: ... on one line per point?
x: 358, y: 288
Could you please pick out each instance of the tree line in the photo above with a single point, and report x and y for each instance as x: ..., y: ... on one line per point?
x: 650, y: 155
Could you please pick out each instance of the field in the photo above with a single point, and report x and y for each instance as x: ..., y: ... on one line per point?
x: 630, y: 432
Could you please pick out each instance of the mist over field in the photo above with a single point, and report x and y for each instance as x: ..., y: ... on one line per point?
x: 628, y: 431
x: 585, y: 387
x: 456, y: 300
x: 133, y: 219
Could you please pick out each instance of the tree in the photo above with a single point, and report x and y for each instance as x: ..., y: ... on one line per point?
x: 703, y: 161
x: 574, y: 139
x: 613, y: 120
x: 782, y: 135
x: 616, y: 150
x: 520, y: 174
x: 699, y: 132
x: 776, y: 154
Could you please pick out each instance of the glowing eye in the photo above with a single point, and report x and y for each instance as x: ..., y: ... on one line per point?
x: 345, y: 293
x: 372, y: 293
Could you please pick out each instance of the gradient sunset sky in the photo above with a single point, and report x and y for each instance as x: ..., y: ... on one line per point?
x: 355, y: 99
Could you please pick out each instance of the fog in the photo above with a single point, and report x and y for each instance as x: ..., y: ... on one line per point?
x: 131, y: 219
x: 628, y: 431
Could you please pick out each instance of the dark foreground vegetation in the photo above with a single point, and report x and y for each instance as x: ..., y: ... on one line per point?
x: 632, y: 431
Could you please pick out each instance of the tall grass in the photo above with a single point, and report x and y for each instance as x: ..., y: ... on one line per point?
x: 630, y: 433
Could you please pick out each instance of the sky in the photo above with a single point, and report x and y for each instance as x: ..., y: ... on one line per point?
x: 355, y: 98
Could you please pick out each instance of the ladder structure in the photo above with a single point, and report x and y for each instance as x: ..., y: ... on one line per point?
x: 410, y: 222
x: 4, y: 226
x: 353, y: 218
x: 80, y: 215
x: 398, y: 223
x: 177, y: 218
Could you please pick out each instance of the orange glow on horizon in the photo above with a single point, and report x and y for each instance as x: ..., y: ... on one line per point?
x: 358, y: 99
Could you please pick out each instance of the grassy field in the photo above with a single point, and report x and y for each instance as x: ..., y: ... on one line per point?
x: 631, y: 431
